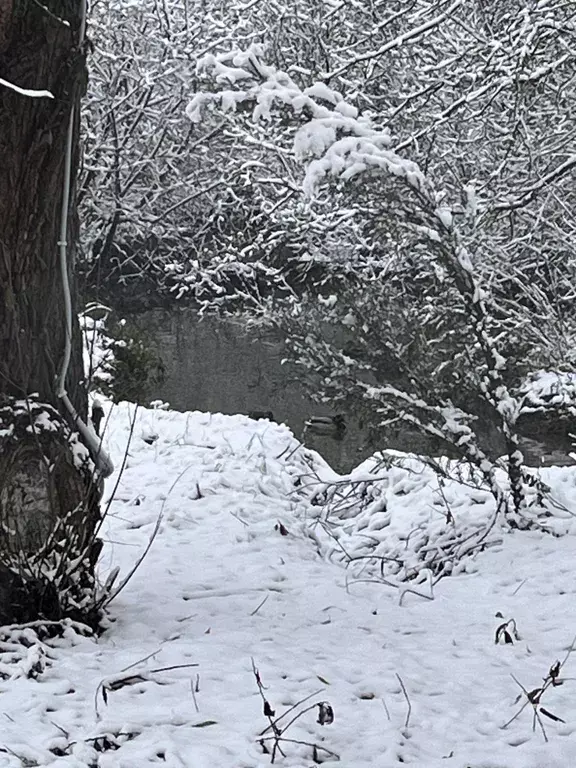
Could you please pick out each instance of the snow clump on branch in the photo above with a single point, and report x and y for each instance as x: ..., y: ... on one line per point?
x: 343, y: 142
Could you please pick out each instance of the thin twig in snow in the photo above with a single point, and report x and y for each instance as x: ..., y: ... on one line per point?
x: 404, y: 691
x: 193, y: 692
x: 255, y: 611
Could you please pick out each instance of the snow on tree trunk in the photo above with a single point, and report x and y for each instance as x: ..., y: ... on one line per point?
x: 44, y: 488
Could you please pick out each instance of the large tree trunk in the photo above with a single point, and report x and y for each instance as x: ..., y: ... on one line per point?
x: 37, y: 51
x: 45, y: 490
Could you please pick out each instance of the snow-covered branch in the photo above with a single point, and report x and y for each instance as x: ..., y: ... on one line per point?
x: 343, y: 142
x: 397, y: 42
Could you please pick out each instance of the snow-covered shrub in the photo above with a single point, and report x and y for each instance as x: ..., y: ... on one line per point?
x: 400, y: 518
x: 470, y: 338
x: 335, y: 141
x: 120, y: 359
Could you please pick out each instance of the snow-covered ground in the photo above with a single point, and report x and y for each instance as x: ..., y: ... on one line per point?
x: 246, y: 582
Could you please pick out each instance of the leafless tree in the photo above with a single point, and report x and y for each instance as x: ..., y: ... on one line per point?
x: 479, y: 184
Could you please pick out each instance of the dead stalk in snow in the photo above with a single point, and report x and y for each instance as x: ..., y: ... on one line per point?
x: 325, y: 717
x: 534, y: 697
x: 405, y: 692
x: 194, y: 689
x: 150, y: 541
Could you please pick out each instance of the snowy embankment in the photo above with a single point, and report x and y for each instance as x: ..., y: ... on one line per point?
x: 246, y: 573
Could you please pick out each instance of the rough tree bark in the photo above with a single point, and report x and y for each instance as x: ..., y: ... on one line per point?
x: 48, y: 501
